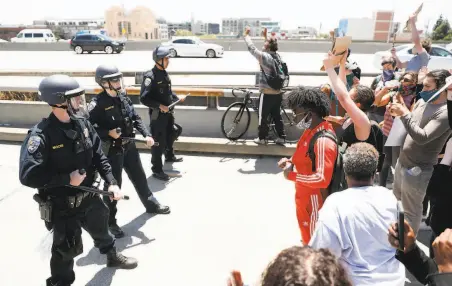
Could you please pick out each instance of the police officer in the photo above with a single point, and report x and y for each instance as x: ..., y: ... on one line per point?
x: 112, y: 109
x: 156, y: 94
x: 52, y: 159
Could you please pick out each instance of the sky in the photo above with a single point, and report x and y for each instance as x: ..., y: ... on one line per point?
x: 291, y: 13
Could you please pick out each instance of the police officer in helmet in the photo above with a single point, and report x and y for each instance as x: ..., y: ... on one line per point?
x: 114, y: 118
x: 156, y: 94
x: 59, y: 154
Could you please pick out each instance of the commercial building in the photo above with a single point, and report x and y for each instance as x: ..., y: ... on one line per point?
x: 272, y: 27
x: 180, y: 26
x: 377, y: 28
x: 139, y: 23
x: 163, y: 32
x: 200, y: 28
x: 236, y: 26
x: 68, y: 28
x: 303, y: 32
x: 213, y: 28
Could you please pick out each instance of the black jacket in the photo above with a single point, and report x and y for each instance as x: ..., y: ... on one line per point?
x: 107, y: 113
x: 156, y: 89
x: 52, y: 150
x: 424, y: 268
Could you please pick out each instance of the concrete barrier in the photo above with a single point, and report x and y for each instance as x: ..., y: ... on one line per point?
x: 196, y: 121
x: 186, y: 144
x: 238, y: 44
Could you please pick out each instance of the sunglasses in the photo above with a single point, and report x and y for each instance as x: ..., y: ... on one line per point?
x: 407, y: 79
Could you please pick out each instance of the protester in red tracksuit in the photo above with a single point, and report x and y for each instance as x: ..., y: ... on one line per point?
x: 309, y: 107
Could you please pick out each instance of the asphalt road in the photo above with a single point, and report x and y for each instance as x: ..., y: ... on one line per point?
x: 229, y: 45
x: 227, y: 213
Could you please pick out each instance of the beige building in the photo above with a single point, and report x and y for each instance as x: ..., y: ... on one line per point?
x: 137, y: 24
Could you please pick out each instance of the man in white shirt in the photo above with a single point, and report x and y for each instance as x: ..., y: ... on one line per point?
x: 353, y: 223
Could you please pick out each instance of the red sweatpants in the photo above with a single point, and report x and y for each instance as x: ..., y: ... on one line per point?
x: 308, y: 204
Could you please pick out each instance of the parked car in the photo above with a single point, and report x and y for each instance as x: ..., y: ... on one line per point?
x: 34, y: 36
x: 441, y: 58
x: 90, y: 43
x: 193, y: 47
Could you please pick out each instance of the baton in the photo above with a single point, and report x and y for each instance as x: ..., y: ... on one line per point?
x: 118, y: 130
x: 176, y: 102
x: 92, y: 190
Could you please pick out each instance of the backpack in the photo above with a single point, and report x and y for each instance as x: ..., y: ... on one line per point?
x: 280, y: 79
x: 338, y: 182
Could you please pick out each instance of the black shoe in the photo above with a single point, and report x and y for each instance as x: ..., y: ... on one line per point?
x: 174, y: 159
x: 161, y: 176
x: 116, y: 259
x: 116, y: 230
x: 154, y: 207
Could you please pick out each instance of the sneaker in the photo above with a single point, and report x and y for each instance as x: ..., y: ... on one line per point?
x: 260, y: 141
x: 116, y: 259
x: 116, y: 230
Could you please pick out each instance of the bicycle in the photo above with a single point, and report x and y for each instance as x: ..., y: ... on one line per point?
x: 244, y: 116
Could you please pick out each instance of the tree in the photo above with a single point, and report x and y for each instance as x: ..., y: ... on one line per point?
x: 438, y: 22
x: 442, y: 30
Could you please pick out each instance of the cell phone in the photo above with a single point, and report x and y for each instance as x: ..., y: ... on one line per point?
x: 401, y: 225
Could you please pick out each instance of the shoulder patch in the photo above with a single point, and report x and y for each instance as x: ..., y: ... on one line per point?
x: 33, y: 144
x: 147, y: 81
x: 92, y: 105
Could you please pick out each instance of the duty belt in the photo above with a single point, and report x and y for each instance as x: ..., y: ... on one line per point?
x: 75, y: 201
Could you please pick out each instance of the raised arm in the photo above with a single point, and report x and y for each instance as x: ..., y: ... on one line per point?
x: 251, y: 47
x: 359, y: 118
x: 400, y: 64
x: 415, y: 34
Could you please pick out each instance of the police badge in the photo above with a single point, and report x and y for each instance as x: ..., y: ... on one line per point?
x: 147, y: 81
x: 33, y: 144
x: 91, y: 105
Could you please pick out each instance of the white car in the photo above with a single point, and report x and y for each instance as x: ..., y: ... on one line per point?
x: 449, y: 47
x: 441, y: 58
x: 193, y: 47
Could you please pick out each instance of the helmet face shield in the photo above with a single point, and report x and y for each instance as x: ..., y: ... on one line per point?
x: 114, y: 86
x: 77, y: 106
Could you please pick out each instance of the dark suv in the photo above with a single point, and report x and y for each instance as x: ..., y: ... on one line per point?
x: 90, y: 43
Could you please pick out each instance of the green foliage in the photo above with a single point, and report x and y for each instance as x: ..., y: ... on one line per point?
x: 442, y: 30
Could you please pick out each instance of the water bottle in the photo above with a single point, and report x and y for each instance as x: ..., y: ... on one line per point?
x: 415, y: 171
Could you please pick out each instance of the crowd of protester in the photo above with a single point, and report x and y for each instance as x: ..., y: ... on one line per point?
x: 351, y: 237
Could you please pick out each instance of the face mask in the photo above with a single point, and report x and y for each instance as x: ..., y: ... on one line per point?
x: 427, y: 95
x: 407, y: 90
x: 303, y: 124
x: 388, y: 75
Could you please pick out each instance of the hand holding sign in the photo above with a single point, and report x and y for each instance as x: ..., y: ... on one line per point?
x: 413, y: 17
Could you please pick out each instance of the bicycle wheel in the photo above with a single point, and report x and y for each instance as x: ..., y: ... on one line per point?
x: 239, y: 116
x: 293, y: 134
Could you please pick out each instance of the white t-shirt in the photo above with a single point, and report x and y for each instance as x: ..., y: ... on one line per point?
x: 353, y: 224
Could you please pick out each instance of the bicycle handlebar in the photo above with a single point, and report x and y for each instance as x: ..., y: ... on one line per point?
x: 244, y: 90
